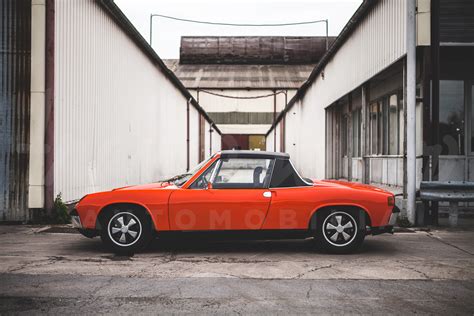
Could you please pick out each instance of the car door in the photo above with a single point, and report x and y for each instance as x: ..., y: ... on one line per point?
x: 237, y: 199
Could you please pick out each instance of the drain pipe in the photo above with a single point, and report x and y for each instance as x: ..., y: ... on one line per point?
x: 411, y: 112
x: 187, y: 135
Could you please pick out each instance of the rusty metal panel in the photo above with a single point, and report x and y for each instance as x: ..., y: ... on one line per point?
x: 15, y: 49
x: 252, y: 49
x: 118, y: 119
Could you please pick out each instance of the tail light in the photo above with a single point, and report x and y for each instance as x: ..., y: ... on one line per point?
x: 391, y: 201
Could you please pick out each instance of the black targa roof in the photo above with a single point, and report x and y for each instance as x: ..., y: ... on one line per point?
x: 253, y: 154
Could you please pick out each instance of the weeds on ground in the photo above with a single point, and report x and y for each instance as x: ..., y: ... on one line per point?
x: 60, y: 213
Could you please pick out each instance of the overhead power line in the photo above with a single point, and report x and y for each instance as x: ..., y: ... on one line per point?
x: 238, y: 24
x: 243, y: 98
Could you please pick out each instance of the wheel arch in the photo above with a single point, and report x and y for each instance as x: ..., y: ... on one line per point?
x: 312, y: 224
x: 110, y: 206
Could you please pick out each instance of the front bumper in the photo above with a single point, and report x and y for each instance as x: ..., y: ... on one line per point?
x: 75, y: 219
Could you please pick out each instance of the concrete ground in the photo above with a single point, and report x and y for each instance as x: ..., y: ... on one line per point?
x: 417, y: 272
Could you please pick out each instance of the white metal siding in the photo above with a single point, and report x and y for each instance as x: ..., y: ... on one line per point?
x: 376, y: 43
x: 118, y: 119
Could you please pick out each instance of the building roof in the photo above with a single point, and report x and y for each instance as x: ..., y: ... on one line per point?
x: 219, y: 76
x: 124, y: 23
x: 252, y: 49
x: 253, y: 154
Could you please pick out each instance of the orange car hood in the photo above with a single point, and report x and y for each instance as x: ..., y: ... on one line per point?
x: 150, y: 186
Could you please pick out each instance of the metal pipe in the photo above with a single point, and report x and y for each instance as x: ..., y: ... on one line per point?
x: 435, y: 70
x: 187, y: 135
x: 274, y: 120
x: 49, y: 107
x: 210, y: 140
x: 411, y: 111
x: 151, y: 28
x: 327, y: 34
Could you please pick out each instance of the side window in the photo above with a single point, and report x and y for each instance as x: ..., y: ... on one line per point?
x: 241, y: 173
x: 285, y: 176
x: 201, y: 182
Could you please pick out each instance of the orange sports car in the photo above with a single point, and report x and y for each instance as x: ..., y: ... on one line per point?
x: 246, y: 193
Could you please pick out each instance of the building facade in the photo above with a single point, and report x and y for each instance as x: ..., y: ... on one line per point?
x: 87, y: 106
x: 349, y: 121
x: 244, y: 82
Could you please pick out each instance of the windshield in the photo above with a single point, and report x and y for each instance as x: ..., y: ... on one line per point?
x: 181, y: 179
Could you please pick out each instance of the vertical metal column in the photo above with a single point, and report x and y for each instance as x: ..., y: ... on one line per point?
x: 274, y: 120
x: 49, y: 107
x: 187, y: 136
x: 435, y: 60
x: 364, y: 144
x: 411, y: 113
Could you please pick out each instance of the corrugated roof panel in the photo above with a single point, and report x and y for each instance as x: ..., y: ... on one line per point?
x: 240, y: 76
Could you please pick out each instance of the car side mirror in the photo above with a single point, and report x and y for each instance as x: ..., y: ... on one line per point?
x: 209, y: 185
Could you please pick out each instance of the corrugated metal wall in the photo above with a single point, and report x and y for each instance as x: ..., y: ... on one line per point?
x: 118, y: 119
x: 376, y: 43
x: 15, y: 70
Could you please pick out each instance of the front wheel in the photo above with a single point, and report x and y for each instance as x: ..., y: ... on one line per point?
x: 126, y: 230
x: 340, y: 231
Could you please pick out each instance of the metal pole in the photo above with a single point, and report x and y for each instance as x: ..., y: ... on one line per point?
x: 435, y: 101
x: 327, y: 34
x: 411, y: 113
x: 151, y: 28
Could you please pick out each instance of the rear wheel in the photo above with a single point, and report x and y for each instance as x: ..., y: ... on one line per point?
x: 126, y: 229
x: 340, y: 230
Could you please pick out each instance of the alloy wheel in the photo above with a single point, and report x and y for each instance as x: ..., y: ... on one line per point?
x: 339, y: 229
x: 124, y: 229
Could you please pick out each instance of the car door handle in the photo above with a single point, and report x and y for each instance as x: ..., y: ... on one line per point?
x: 267, y: 194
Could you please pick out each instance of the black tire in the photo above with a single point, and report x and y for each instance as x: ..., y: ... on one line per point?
x: 126, y: 229
x: 340, y: 230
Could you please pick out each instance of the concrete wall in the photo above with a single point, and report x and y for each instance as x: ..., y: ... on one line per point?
x: 118, y: 120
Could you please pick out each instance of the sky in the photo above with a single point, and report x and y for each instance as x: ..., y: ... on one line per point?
x: 167, y: 33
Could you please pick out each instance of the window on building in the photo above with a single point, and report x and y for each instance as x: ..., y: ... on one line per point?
x: 393, y: 122
x: 356, y: 122
x: 386, y: 117
x: 344, y: 135
x: 257, y: 142
x: 451, y: 117
x: 401, y: 125
x: 385, y: 125
x: 374, y: 112
x: 472, y: 118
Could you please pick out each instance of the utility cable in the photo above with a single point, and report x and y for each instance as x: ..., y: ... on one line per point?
x: 238, y: 24
x: 246, y: 98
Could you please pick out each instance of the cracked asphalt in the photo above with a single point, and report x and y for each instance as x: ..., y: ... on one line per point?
x: 57, y: 273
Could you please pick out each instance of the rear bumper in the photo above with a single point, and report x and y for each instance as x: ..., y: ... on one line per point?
x: 389, y: 227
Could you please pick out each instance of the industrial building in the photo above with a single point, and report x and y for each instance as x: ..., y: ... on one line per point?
x: 87, y: 105
x: 244, y: 82
x: 349, y: 119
